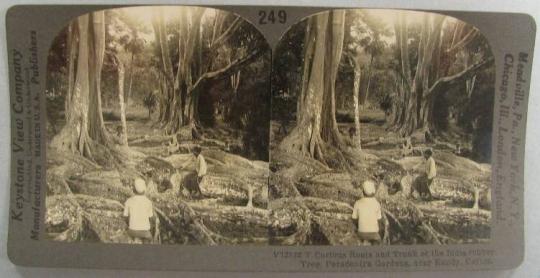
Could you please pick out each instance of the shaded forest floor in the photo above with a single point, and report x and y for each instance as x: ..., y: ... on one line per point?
x: 85, y: 200
x: 327, y: 195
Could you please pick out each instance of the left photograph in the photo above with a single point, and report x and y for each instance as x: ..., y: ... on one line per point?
x: 158, y: 124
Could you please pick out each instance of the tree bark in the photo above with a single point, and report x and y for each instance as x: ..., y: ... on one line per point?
x: 306, y: 136
x: 121, y: 76
x: 75, y: 137
x: 131, y: 73
x: 334, y: 47
x: 195, y: 65
x: 432, y: 76
x: 366, y: 95
x: 356, y: 104
x: 317, y: 126
x: 96, y: 44
x: 309, y: 50
x: 415, y: 102
x: 170, y: 110
x: 72, y: 48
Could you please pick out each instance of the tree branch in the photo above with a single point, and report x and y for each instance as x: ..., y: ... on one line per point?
x: 463, y: 42
x: 232, y: 67
x: 466, y: 73
x: 227, y: 34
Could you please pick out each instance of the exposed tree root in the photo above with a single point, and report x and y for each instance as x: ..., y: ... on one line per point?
x: 328, y: 197
x: 81, y: 213
x: 234, y: 221
x: 233, y: 190
x: 86, y: 218
x: 291, y: 222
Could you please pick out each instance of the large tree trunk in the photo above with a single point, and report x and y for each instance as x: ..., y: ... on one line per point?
x: 191, y: 68
x: 432, y: 76
x: 75, y: 137
x: 305, y: 138
x: 96, y: 44
x: 170, y: 110
x: 195, y: 64
x: 72, y: 48
x: 407, y: 108
x: 316, y: 126
x: 414, y: 102
x: 178, y: 103
x: 309, y: 49
x: 334, y: 46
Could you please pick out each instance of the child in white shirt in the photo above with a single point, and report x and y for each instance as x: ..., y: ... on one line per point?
x: 139, y: 211
x: 367, y: 213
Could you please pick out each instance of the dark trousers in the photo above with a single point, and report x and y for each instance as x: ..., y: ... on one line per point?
x: 423, y: 186
x: 192, y: 182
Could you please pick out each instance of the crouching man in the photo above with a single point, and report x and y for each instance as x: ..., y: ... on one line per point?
x: 201, y: 169
x: 428, y: 172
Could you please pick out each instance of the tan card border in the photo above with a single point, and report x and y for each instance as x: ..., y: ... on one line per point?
x: 510, y: 36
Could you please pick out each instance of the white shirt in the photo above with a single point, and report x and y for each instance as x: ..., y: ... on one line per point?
x: 201, y: 166
x: 368, y: 212
x: 431, y: 169
x: 139, y: 210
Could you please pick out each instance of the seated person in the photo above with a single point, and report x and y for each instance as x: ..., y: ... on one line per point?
x: 406, y: 147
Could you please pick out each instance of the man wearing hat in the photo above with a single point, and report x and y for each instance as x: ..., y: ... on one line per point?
x: 367, y: 213
x: 139, y: 211
x: 428, y: 170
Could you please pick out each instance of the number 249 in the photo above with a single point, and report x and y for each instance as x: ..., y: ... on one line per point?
x: 272, y: 17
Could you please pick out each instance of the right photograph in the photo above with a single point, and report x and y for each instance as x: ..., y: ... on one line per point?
x: 381, y: 130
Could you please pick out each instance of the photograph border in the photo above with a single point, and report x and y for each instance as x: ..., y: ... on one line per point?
x: 507, y: 245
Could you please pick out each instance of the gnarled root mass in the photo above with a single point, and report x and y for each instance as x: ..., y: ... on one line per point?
x: 85, y: 201
x: 312, y: 204
x: 304, y: 202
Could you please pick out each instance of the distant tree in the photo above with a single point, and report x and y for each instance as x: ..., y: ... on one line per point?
x: 149, y: 103
x: 432, y: 75
x: 362, y: 39
x: 120, y: 52
x: 133, y: 43
x: 198, y: 60
x: 373, y: 45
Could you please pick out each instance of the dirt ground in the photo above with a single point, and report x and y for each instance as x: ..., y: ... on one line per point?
x: 451, y: 217
x: 85, y: 200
